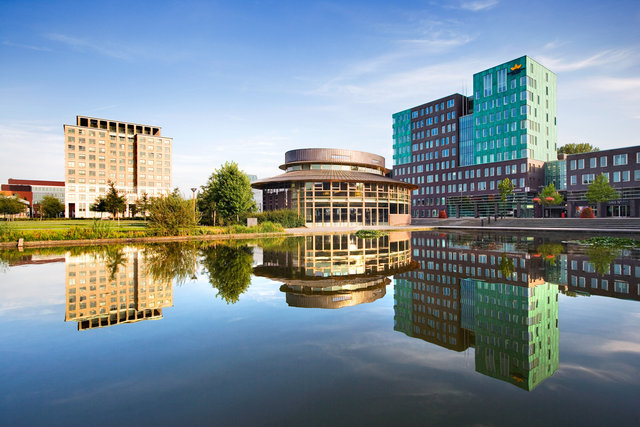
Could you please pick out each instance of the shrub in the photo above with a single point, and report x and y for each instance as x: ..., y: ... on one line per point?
x: 288, y: 218
x: 172, y: 216
x: 586, y: 213
x: 442, y: 214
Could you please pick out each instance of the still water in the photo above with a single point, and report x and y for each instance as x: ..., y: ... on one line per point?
x: 421, y: 328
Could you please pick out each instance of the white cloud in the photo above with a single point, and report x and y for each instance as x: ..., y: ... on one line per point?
x: 617, y: 57
x: 478, y: 5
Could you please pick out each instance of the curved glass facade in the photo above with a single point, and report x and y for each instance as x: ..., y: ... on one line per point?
x: 338, y: 188
x: 348, y: 203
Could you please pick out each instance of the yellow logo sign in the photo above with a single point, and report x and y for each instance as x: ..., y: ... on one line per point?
x: 516, y: 67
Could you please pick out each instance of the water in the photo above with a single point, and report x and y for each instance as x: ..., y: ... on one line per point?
x: 422, y: 328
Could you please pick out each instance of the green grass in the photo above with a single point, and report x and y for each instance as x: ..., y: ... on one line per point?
x: 70, y: 229
x: 48, y: 224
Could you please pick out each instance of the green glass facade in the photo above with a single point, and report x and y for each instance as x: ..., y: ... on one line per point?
x: 402, y: 138
x: 515, y: 112
x: 556, y: 172
x: 517, y: 337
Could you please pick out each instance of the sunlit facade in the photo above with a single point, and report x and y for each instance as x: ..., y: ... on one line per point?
x: 334, y: 187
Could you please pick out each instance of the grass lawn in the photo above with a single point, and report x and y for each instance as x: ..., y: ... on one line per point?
x: 125, y: 225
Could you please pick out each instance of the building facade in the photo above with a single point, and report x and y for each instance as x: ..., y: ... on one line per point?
x: 335, y: 187
x: 33, y: 191
x: 621, y: 166
x: 135, y: 157
x: 457, y: 149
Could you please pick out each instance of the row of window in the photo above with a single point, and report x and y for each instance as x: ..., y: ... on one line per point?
x: 618, y: 176
x: 618, y: 160
x: 430, y: 109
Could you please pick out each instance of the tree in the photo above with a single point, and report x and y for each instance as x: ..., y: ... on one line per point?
x: 600, y: 191
x: 227, y: 193
x: 171, y: 261
x: 577, y: 148
x: 142, y: 205
x: 229, y: 269
x: 505, y: 187
x: 99, y: 206
x: 549, y: 196
x: 171, y: 215
x: 11, y: 205
x: 51, y: 207
x: 114, y: 203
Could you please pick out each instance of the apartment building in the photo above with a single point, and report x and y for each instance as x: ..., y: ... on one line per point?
x: 135, y: 157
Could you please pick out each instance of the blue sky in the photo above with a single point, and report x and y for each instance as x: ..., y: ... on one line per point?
x: 246, y: 81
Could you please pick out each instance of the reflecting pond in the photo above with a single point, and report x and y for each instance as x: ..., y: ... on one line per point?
x: 409, y: 328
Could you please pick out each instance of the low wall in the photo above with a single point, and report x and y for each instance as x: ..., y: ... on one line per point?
x: 399, y: 219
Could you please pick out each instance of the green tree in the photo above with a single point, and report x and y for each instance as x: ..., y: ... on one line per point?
x: 550, y: 192
x: 505, y: 187
x: 171, y: 215
x: 11, y: 205
x: 99, y: 206
x: 227, y: 194
x: 51, y: 207
x: 112, y: 202
x: 142, y: 205
x: 229, y: 269
x: 577, y: 148
x: 600, y: 191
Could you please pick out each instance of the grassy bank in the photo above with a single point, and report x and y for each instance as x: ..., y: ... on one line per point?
x: 83, y: 230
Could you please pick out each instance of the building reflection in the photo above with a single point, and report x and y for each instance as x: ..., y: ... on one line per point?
x: 339, y: 270
x: 488, y: 295
x: 111, y: 287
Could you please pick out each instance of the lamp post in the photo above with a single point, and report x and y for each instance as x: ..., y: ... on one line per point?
x: 194, y: 189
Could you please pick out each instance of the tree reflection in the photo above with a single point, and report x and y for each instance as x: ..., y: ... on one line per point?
x: 229, y: 269
x: 114, y: 258
x: 506, y: 266
x: 601, y: 257
x: 171, y: 261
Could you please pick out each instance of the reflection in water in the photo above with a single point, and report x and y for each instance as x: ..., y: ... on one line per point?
x: 106, y: 288
x: 229, y: 269
x: 491, y: 297
x: 335, y: 271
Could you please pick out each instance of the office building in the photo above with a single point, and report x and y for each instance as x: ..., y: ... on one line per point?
x: 335, y: 187
x: 457, y: 149
x: 135, y: 157
x: 33, y: 191
x: 621, y: 166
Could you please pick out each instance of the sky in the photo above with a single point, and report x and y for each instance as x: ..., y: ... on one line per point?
x: 246, y: 81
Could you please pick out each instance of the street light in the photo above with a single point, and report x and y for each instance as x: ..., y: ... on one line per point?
x: 194, y: 189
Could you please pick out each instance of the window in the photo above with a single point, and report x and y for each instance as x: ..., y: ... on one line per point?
x: 619, y: 159
x: 616, y: 177
x: 573, y: 165
x: 487, y: 84
x: 588, y: 178
x: 593, y: 162
x: 626, y: 176
x: 502, y: 80
x: 573, y: 180
x: 580, y: 163
x: 603, y: 161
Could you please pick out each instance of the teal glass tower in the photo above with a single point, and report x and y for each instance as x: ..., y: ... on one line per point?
x: 515, y: 112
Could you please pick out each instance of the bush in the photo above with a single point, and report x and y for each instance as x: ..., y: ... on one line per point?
x: 587, y: 213
x: 288, y: 218
x: 442, y: 214
x: 172, y: 216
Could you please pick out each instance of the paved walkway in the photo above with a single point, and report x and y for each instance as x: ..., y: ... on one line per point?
x: 630, y: 226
